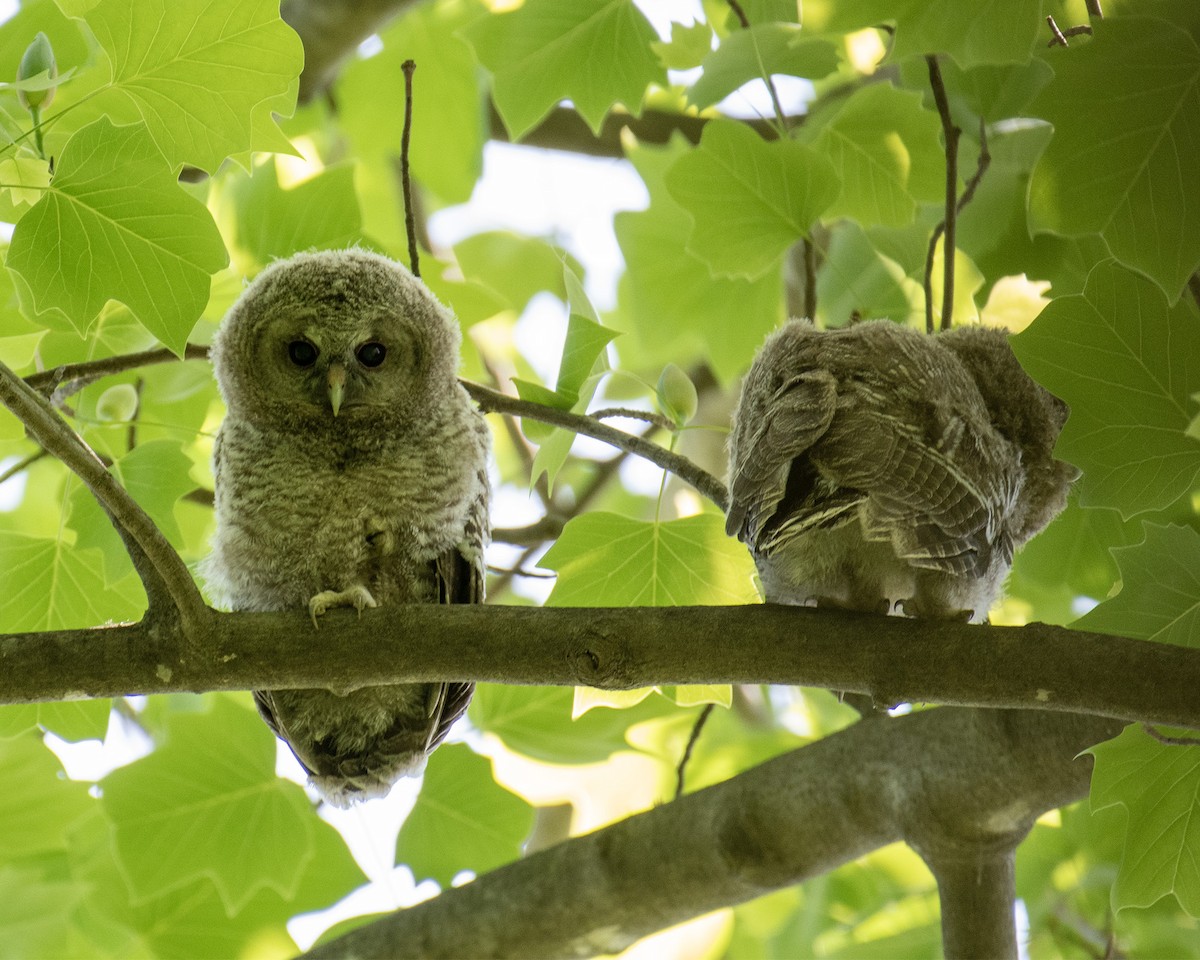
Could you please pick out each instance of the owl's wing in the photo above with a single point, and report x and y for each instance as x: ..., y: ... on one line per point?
x: 460, y: 575
x: 924, y: 497
x: 771, y: 434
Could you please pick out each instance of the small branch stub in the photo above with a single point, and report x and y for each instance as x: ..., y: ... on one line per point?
x: 410, y: 219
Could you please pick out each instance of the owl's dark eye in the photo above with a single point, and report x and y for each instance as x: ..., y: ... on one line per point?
x: 371, y: 354
x: 302, y: 353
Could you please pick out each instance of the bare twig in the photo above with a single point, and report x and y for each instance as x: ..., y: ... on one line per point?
x: 549, y: 527
x: 410, y: 220
x: 704, y: 482
x: 166, y: 579
x: 630, y: 414
x: 1093, y: 9
x: 1058, y: 39
x: 519, y: 571
x: 780, y: 116
x: 1169, y: 741
x: 698, y: 726
x: 951, y: 133
x: 72, y: 377
x: 810, y: 278
x: 22, y: 465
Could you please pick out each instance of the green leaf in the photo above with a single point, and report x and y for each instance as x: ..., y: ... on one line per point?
x: 1160, y: 590
x: 211, y: 788
x: 1122, y: 107
x: 38, y: 804
x: 76, y: 720
x: 678, y: 309
x: 594, y: 52
x: 750, y: 199
x: 1128, y: 365
x: 16, y: 719
x: 689, y: 45
x: 761, y: 51
x: 604, y: 559
x: 514, y: 267
x: 1069, y: 559
x: 885, y: 147
x: 583, y: 351
x: 156, y: 474
x: 55, y: 587
x: 115, y: 225
x: 319, y: 214
x: 1158, y: 786
x: 536, y: 722
x: 970, y: 31
x: 32, y: 912
x: 198, y: 81
x: 448, y: 128
x: 857, y: 279
x: 463, y: 819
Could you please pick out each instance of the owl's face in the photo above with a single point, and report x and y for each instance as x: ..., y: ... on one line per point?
x: 345, y: 334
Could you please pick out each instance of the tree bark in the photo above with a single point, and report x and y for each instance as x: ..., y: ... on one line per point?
x: 793, y: 817
x: 891, y: 658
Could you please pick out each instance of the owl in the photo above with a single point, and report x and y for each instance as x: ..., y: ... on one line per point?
x: 351, y: 470
x: 877, y: 468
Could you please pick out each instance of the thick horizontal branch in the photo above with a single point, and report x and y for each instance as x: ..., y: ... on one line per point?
x: 981, y: 777
x: 891, y: 658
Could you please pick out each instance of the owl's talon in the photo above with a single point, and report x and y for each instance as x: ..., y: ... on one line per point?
x: 356, y: 596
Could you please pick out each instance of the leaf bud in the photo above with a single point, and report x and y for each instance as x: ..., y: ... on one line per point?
x: 676, y: 394
x: 38, y: 59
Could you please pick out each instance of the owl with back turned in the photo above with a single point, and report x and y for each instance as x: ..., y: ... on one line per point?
x: 876, y: 468
x: 351, y: 470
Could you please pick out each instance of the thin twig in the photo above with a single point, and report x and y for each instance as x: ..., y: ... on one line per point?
x: 951, y: 133
x: 1093, y: 9
x: 22, y: 465
x: 72, y: 377
x: 548, y: 528
x: 490, y: 401
x: 162, y: 572
x: 681, y: 770
x: 629, y: 413
x: 1058, y: 39
x: 511, y: 572
x: 780, y: 116
x: 1161, y: 737
x: 410, y: 220
x: 810, y: 278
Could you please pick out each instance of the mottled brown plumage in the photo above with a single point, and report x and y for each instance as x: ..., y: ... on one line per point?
x: 351, y: 470
x: 874, y: 465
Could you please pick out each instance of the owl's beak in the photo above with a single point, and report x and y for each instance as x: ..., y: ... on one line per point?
x: 337, y: 386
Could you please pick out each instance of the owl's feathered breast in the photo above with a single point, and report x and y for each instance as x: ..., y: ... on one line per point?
x: 301, y: 513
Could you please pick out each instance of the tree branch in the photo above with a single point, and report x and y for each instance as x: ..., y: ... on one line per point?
x: 893, y: 659
x: 705, y: 483
x: 167, y: 581
x: 977, y: 891
x: 951, y: 133
x: 867, y: 786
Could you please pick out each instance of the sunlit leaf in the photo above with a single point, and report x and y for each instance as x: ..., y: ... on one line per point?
x: 55, y: 586
x: 463, y: 819
x: 115, y: 225
x: 604, y: 559
x: 1121, y: 106
x: 37, y: 817
x: 197, y: 81
x: 749, y: 199
x: 885, y: 149
x: 762, y: 50
x: 595, y: 54
x: 1128, y: 365
x: 210, y: 789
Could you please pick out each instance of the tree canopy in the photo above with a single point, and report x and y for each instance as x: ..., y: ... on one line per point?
x: 156, y: 155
